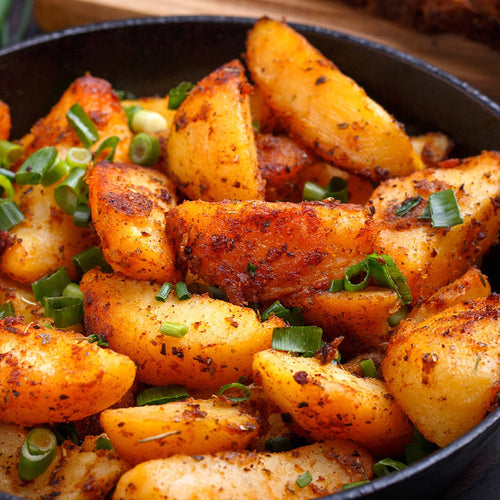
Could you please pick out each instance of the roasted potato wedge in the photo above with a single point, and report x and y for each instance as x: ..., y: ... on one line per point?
x: 217, y: 349
x: 260, y: 250
x: 128, y: 203
x: 328, y: 402
x: 324, y: 108
x: 23, y: 300
x: 433, y: 147
x: 191, y: 427
x: 249, y: 475
x: 444, y: 371
x: 48, y: 375
x: 211, y: 149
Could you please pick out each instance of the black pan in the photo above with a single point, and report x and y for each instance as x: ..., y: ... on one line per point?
x: 150, y: 55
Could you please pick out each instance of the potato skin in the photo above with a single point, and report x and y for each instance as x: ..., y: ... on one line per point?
x: 444, y: 371
x: 422, y: 251
x: 217, y: 349
x: 195, y: 427
x: 231, y: 476
x: 324, y: 108
x: 328, y: 402
x: 291, y: 245
x: 128, y: 205
x: 48, y: 375
x: 211, y: 148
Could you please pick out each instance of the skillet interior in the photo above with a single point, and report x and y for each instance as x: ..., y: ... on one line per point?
x: 150, y: 55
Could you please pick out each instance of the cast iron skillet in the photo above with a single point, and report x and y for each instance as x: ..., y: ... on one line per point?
x: 149, y: 56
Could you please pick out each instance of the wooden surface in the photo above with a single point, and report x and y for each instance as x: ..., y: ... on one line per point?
x: 473, y: 62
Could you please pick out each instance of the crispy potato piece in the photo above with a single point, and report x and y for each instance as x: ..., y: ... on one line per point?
x: 191, y: 427
x: 128, y: 205
x: 249, y: 475
x: 422, y: 251
x: 102, y: 105
x: 211, y: 149
x: 48, y: 375
x: 5, y: 121
x: 432, y: 147
x: 22, y: 298
x: 217, y: 349
x: 45, y: 241
x: 291, y: 245
x: 328, y: 402
x: 472, y: 285
x: 444, y: 371
x: 79, y: 473
x: 360, y: 317
x: 323, y: 107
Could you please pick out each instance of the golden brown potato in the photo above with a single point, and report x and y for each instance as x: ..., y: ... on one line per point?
x: 444, y: 371
x: 23, y: 300
x: 211, y: 149
x: 323, y: 107
x: 360, y: 317
x: 101, y: 104
x: 423, y: 252
x: 79, y: 473
x: 217, y: 349
x: 261, y: 250
x: 472, y: 285
x: 5, y: 121
x: 128, y: 205
x: 47, y: 375
x: 191, y: 427
x: 328, y: 402
x: 432, y: 147
x: 230, y: 475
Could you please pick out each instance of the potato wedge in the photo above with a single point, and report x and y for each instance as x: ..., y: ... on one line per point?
x: 48, y: 375
x: 79, y: 473
x: 128, y: 205
x: 23, y: 300
x: 217, y: 349
x: 249, y: 475
x: 432, y: 147
x: 421, y: 251
x: 260, y: 250
x: 211, y: 149
x: 328, y: 402
x: 191, y: 427
x: 444, y: 371
x: 360, y: 317
x: 323, y: 107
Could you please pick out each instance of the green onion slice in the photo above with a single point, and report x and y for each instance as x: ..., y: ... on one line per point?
x: 235, y: 386
x: 83, y: 126
x: 182, y: 291
x: 38, y: 451
x: 65, y: 311
x: 217, y: 293
x: 149, y: 122
x: 350, y: 486
x: 51, y: 285
x: 418, y: 448
x: 72, y: 191
x: 336, y: 285
x: 65, y: 431
x: 278, y: 444
x: 357, y: 277
x: 55, y: 173
x: 251, y: 268
x: 130, y: 111
x: 72, y: 290
x: 173, y: 329
x: 94, y: 337
x: 297, y: 338
x: 368, y: 367
x: 10, y: 153
x: 7, y: 310
x: 81, y: 215
x: 304, y: 479
x: 178, y: 94
x: 159, y: 395
x: 35, y: 166
x: 444, y: 209
x: 103, y: 443
x: 385, y: 273
x: 79, y: 157
x: 7, y: 188
x: 396, y: 318
x: 408, y: 205
x: 313, y: 191
x: 144, y: 149
x: 8, y: 173
x: 386, y: 466
x: 10, y: 215
x: 278, y: 309
x: 88, y: 259
x: 164, y: 292
x: 296, y: 317
x: 337, y: 188
x: 108, y: 143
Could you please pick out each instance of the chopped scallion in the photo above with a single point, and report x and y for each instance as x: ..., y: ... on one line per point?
x: 10, y: 215
x: 408, y: 205
x: 350, y: 486
x: 130, y: 111
x: 55, y: 173
x: 103, y: 443
x: 72, y: 290
x: 278, y: 444
x: 34, y: 167
x: 386, y: 466
x: 144, y: 149
x: 182, y: 291
x: 78, y: 157
x: 173, y: 329
x: 396, y: 318
x: 164, y: 292
x: 7, y: 310
x: 101, y: 342
x: 357, y: 277
x: 303, y: 339
x: 313, y: 191
x: 72, y: 191
x: 65, y: 311
x: 278, y: 309
x: 8, y: 173
x: 7, y: 188
x: 304, y: 479
x: 82, y: 124
x: 149, y: 122
x: 368, y: 367
x: 251, y: 268
x: 38, y: 451
x: 235, y: 386
x: 418, y: 448
x: 10, y: 153
x: 88, y: 259
x: 51, y: 285
x: 337, y: 188
x: 178, y: 94
x: 65, y: 431
x: 81, y: 215
x: 336, y: 285
x: 444, y: 209
x: 109, y: 143
x: 159, y: 395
